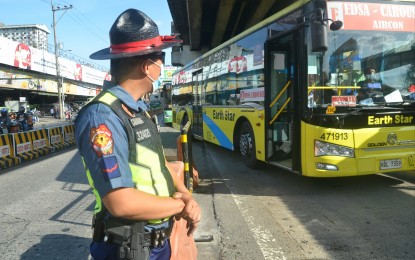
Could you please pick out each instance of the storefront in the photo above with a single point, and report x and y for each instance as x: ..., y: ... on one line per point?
x: 40, y: 90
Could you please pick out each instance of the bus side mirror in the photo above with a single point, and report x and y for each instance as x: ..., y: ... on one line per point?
x: 318, y: 28
x: 319, y: 41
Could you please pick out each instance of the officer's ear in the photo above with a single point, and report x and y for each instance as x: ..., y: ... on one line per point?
x: 145, y: 67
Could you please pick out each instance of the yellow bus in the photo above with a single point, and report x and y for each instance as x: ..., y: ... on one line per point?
x: 321, y: 88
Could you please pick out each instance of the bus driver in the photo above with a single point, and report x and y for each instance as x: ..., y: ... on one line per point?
x: 371, y: 87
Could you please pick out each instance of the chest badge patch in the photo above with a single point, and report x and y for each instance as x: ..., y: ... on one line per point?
x: 101, y: 139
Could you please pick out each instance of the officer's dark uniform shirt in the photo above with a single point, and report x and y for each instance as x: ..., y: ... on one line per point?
x: 103, y: 143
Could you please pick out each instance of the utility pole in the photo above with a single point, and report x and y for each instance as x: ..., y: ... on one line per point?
x: 59, y: 79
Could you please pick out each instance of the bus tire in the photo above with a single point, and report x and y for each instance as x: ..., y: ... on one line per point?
x: 247, y: 147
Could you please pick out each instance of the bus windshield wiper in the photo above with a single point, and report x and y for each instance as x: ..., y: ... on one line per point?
x: 366, y: 108
x: 354, y: 112
x: 392, y: 105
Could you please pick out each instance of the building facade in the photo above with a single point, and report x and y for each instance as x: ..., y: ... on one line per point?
x: 35, y: 35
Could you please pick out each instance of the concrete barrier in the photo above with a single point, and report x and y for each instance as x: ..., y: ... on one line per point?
x: 23, y: 146
x: 69, y: 135
x: 56, y: 138
x: 40, y: 139
x: 7, y: 158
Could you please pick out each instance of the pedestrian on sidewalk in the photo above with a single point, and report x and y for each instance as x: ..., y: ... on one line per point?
x: 134, y: 185
x: 57, y: 114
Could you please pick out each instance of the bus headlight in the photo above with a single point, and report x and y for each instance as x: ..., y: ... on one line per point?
x: 323, y: 148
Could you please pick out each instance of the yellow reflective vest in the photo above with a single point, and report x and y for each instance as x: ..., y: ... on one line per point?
x: 146, y: 155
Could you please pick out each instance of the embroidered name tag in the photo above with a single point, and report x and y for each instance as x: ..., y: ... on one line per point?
x: 136, y: 121
x: 143, y: 134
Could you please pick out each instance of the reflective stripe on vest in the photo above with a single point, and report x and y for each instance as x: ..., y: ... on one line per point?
x: 98, y: 203
x: 148, y: 169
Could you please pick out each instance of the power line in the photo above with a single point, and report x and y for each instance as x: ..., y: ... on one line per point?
x: 86, y: 27
x: 90, y: 21
x: 80, y: 19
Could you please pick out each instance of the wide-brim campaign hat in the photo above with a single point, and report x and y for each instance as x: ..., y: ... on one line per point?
x: 134, y: 34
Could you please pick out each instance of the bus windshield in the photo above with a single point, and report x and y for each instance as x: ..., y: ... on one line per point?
x: 364, y: 68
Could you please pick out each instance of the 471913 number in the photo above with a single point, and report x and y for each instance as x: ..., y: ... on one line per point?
x: 334, y: 136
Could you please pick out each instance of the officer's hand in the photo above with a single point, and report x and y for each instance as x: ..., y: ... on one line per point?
x: 191, y: 212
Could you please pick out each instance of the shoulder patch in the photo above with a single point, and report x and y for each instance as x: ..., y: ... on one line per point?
x: 109, y: 167
x: 101, y: 139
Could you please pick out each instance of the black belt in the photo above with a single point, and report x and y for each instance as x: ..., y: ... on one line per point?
x: 119, y: 231
x: 158, y: 236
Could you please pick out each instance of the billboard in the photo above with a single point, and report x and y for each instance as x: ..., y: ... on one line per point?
x: 23, y: 56
x: 373, y: 16
x: 168, y: 73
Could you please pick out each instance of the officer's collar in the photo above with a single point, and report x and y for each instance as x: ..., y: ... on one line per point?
x: 127, y: 99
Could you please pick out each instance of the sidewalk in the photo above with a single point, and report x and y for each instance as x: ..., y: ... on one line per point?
x: 48, y: 122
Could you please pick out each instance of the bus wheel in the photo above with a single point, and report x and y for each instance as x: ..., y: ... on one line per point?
x: 247, y: 145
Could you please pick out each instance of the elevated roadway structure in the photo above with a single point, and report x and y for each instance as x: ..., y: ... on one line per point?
x: 205, y: 24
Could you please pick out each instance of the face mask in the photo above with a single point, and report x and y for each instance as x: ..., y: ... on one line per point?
x: 156, y: 85
x: 159, y: 81
x: 160, y: 78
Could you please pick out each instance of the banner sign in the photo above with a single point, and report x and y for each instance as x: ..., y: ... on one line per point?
x: 254, y: 94
x: 168, y: 73
x: 373, y: 16
x: 23, y: 56
x: 343, y: 101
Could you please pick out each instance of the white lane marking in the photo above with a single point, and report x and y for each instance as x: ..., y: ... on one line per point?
x: 263, y: 236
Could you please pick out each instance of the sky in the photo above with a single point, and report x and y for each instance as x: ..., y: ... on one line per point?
x: 84, y: 29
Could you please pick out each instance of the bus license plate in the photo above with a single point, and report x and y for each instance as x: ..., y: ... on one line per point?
x: 390, y: 164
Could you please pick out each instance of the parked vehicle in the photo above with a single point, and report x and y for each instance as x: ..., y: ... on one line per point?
x: 167, y: 116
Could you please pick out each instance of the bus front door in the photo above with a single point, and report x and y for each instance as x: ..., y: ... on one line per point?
x: 197, y: 124
x: 280, y: 81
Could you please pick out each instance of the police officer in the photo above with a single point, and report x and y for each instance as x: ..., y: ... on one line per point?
x: 122, y: 151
